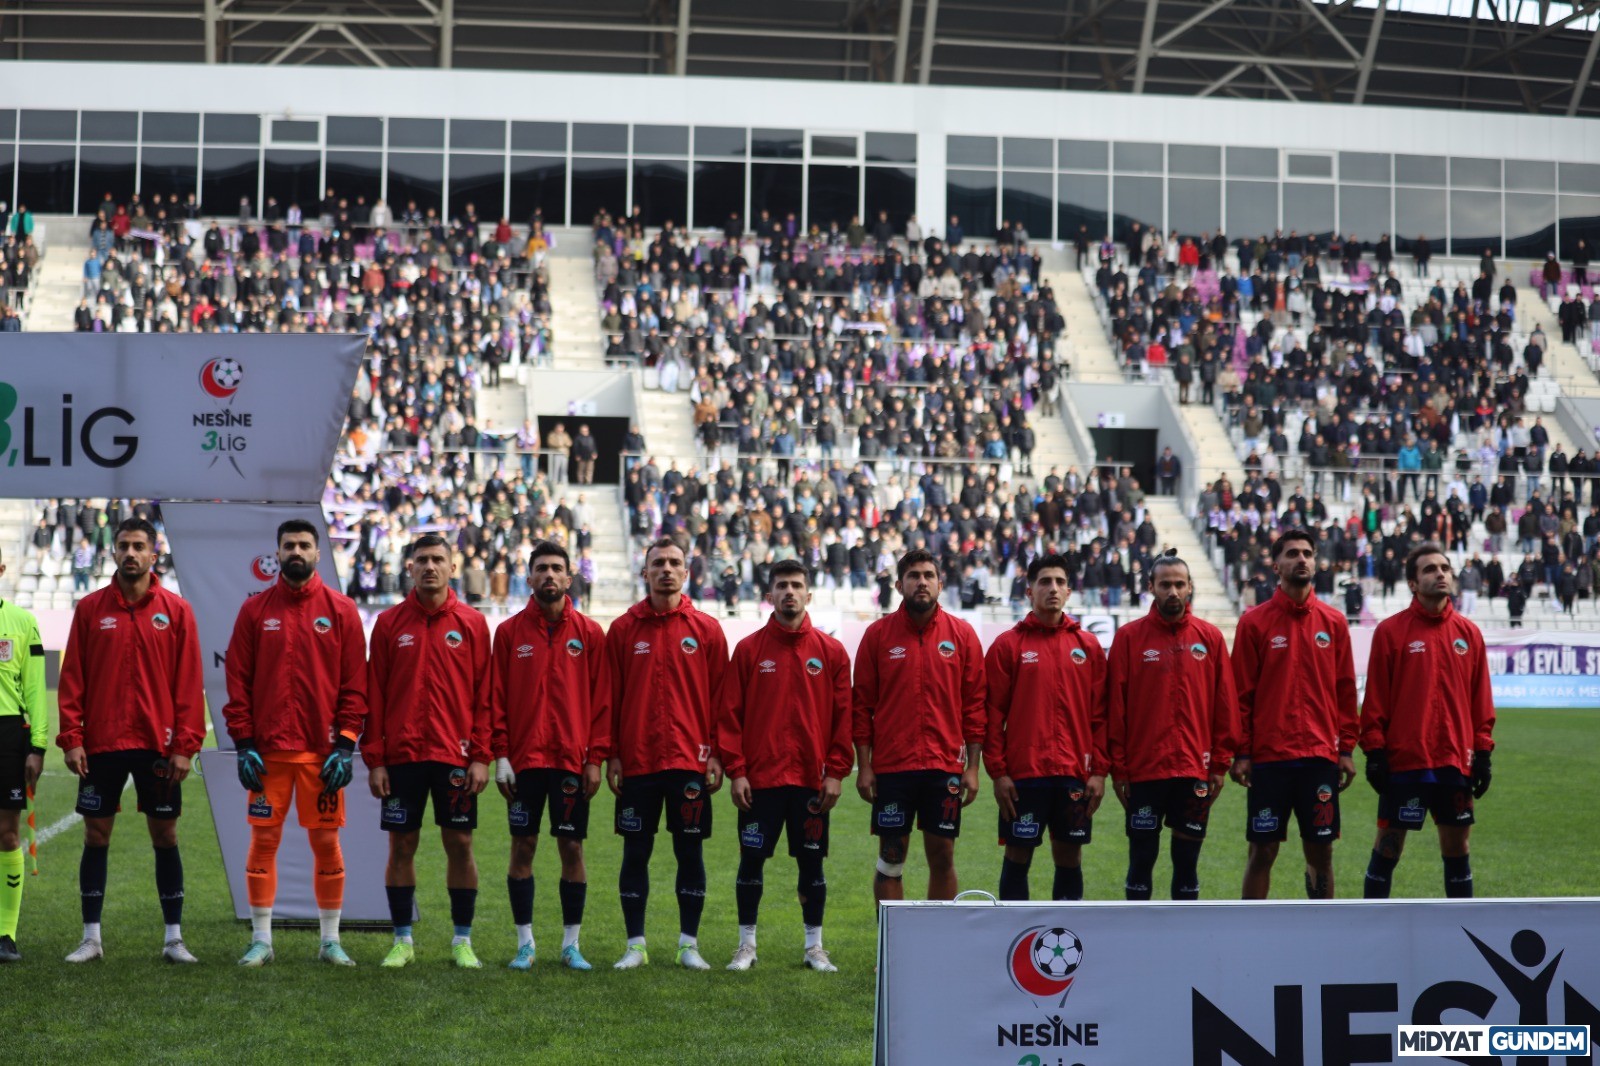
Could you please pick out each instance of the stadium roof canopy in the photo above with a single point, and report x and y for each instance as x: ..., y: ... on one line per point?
x: 1531, y: 56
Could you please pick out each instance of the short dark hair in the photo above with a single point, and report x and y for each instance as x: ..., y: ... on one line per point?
x: 1413, y: 556
x: 1170, y: 559
x: 298, y: 525
x: 912, y: 558
x: 137, y: 525
x: 665, y: 542
x: 549, y: 547
x: 1053, y: 561
x: 430, y: 540
x: 1288, y: 536
x: 787, y: 566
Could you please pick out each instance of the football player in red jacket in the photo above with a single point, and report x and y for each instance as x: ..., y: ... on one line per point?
x: 783, y: 733
x: 918, y: 727
x: 428, y: 733
x: 1427, y: 724
x: 1046, y: 748
x: 132, y: 704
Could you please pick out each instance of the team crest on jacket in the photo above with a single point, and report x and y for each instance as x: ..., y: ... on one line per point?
x: 947, y: 648
x: 1460, y: 646
x: 813, y: 667
x: 453, y: 639
x: 1198, y: 650
x: 322, y: 625
x: 574, y: 647
x: 1079, y: 656
x: 689, y: 645
x: 160, y: 621
x: 1323, y: 639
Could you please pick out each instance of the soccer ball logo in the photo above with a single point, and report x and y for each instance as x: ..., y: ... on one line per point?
x: 1057, y: 953
x: 264, y: 567
x: 221, y: 378
x: 1043, y: 962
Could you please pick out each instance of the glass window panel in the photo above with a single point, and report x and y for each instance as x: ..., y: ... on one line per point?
x: 539, y: 137
x: 661, y: 140
x: 891, y: 189
x: 775, y: 188
x: 168, y: 171
x: 293, y: 131
x: 1580, y: 220
x: 49, y: 125
x: 351, y: 132
x: 1205, y: 159
x: 777, y: 144
x: 1530, y: 224
x: 1575, y: 177
x: 1474, y: 223
x: 416, y: 176
x: 1141, y: 157
x: 232, y: 129
x: 970, y: 196
x: 352, y: 174
x: 1419, y: 170
x: 1477, y: 173
x: 1364, y: 211
x: 833, y: 194
x: 1194, y: 205
x: 293, y: 175
x: 1081, y: 201
x: 834, y: 146
x: 8, y: 170
x: 539, y: 186
x: 1083, y: 155
x: 1253, y: 163
x: 661, y: 190
x: 44, y: 178
x: 1135, y: 200
x: 1364, y: 166
x: 971, y: 151
x: 226, y: 174
x: 719, y: 140
x: 171, y: 127
x: 1310, y: 166
x: 1252, y: 208
x: 8, y: 123
x: 1418, y: 213
x: 1534, y: 175
x: 893, y: 148
x: 598, y: 185
x: 1028, y: 152
x: 718, y: 191
x: 102, y: 169
x: 119, y: 126
x: 1308, y: 209
x: 1028, y: 197
x: 599, y: 137
x: 489, y: 134
x: 478, y: 180
x: 416, y: 133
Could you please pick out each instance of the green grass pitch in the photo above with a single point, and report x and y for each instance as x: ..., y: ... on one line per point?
x: 1530, y: 841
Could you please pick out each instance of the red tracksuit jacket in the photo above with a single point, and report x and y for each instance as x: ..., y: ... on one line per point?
x: 547, y: 690
x: 784, y: 710
x: 428, y: 685
x: 297, y: 669
x: 1296, y: 680
x: 919, y: 692
x: 130, y: 677
x: 1428, y: 699
x: 1046, y: 702
x: 1170, y: 701
x: 665, y: 671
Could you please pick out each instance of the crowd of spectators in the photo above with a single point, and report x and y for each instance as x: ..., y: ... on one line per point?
x: 19, y: 256
x: 444, y: 305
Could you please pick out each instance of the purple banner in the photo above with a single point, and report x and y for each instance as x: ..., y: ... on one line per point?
x: 1546, y: 660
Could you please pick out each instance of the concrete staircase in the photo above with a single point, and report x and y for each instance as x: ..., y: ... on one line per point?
x: 1564, y: 360
x: 1217, y: 453
x: 1093, y: 358
x: 575, y: 313
x: 60, y: 283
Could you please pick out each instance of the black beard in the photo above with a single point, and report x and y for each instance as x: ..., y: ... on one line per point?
x: 297, y: 569
x: 544, y: 595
